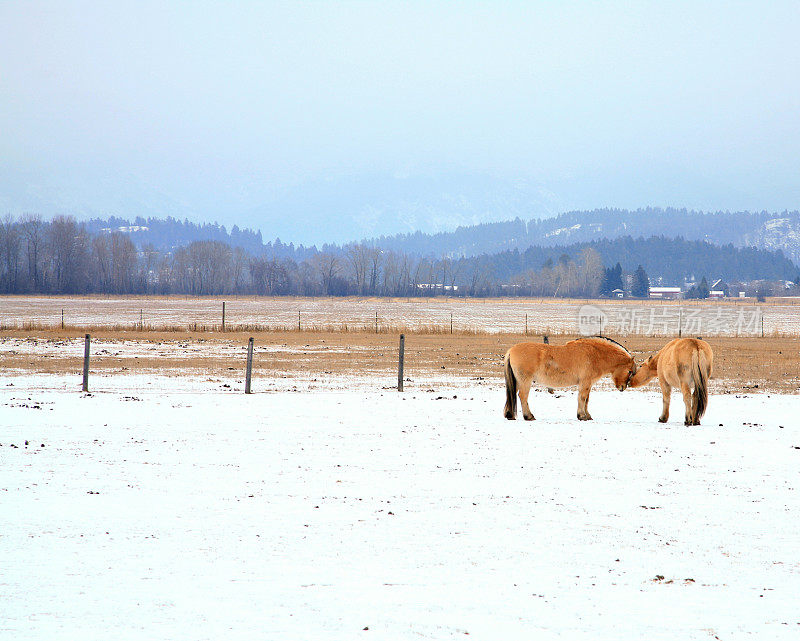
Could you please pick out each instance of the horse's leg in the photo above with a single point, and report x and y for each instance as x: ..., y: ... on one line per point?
x: 688, y: 401
x: 524, y: 390
x: 583, y: 401
x: 666, y: 392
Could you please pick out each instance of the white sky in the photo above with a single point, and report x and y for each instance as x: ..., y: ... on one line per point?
x: 216, y: 107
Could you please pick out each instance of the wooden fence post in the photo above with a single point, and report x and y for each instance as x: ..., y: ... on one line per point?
x: 680, y: 321
x: 298, y: 320
x: 451, y: 322
x: 223, y: 316
x: 85, y: 386
x: 249, y: 366
x: 62, y: 318
x: 545, y: 339
x: 400, y: 363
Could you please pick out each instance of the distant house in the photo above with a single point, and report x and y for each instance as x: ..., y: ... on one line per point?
x: 438, y: 287
x: 716, y: 293
x: 617, y: 293
x: 666, y: 293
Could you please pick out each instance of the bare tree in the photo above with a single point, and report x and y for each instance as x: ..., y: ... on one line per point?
x: 68, y: 244
x: 149, y: 273
x: 358, y: 259
x: 33, y: 231
x: 209, y: 263
x: 327, y: 266
x: 375, y: 259
x: 123, y: 263
x: 10, y: 244
x: 238, y: 263
x: 269, y: 276
x: 101, y: 253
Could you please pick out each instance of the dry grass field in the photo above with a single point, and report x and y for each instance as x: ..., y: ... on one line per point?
x: 740, y: 365
x: 359, y: 337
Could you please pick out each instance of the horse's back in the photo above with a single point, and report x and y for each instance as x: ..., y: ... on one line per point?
x: 676, y: 356
x: 527, y: 356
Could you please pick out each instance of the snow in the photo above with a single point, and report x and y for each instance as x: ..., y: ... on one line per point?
x: 176, y: 349
x: 731, y: 318
x: 174, y: 508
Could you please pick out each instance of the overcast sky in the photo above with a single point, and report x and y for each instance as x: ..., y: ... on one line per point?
x: 217, y: 108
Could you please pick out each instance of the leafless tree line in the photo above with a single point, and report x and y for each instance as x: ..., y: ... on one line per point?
x: 60, y: 257
x: 568, y: 278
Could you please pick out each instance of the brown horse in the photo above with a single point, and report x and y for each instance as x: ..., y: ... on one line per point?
x: 580, y: 362
x: 685, y: 363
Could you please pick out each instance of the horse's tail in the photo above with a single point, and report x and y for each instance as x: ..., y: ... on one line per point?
x: 510, y: 411
x: 700, y: 379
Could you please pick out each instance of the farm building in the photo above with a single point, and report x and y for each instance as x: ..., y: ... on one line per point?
x: 666, y: 293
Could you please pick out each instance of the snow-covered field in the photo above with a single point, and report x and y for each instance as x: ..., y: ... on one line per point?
x: 169, y: 508
x: 512, y: 315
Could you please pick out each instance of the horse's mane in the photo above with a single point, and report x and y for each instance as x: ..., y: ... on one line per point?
x: 605, y: 338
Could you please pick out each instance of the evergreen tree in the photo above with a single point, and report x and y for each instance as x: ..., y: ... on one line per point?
x: 605, y: 285
x: 703, y: 289
x: 612, y: 279
x: 641, y: 283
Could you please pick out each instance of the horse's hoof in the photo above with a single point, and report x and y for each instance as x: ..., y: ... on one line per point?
x: 584, y: 418
x: 661, y: 419
x: 530, y: 418
x: 510, y: 417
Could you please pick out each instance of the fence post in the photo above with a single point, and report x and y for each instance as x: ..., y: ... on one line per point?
x: 400, y: 363
x: 223, y: 316
x: 298, y: 320
x: 376, y: 322
x: 526, y: 325
x: 85, y: 386
x: 62, y: 318
x: 545, y: 339
x: 451, y: 322
x: 249, y: 366
x: 680, y: 321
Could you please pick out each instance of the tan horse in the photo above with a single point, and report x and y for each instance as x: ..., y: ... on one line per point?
x: 580, y: 362
x: 685, y: 363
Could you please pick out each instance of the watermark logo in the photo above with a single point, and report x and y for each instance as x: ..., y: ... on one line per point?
x: 591, y: 320
x: 669, y: 320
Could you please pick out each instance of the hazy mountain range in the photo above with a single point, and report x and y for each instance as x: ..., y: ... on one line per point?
x: 337, y: 209
x: 773, y: 231
x: 762, y: 230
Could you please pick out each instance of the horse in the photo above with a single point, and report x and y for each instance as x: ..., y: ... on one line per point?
x: 579, y: 362
x: 685, y: 363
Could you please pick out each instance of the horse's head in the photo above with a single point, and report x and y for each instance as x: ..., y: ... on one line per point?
x: 646, y: 371
x: 623, y: 374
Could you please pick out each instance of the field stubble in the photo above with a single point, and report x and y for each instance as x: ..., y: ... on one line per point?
x: 436, y: 315
x: 740, y: 364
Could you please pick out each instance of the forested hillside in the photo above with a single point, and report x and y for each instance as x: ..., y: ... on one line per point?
x: 763, y: 230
